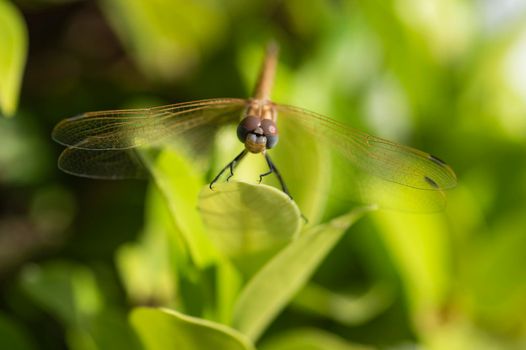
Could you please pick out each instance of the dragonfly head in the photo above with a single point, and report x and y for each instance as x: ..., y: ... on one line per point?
x: 257, y: 134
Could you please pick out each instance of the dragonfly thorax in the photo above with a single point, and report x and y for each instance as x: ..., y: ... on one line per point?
x: 257, y: 134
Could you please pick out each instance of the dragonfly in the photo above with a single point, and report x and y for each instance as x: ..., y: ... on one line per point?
x: 101, y: 144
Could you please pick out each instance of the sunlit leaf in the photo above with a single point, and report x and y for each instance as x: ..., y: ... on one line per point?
x: 146, y: 267
x: 243, y: 218
x: 146, y: 279
x: 192, y: 256
x: 13, y: 41
x: 418, y: 245
x: 346, y: 309
x: 179, y: 184
x: 167, y: 329
x: 310, y: 339
x: 463, y: 334
x: 498, y: 257
x: 280, y: 279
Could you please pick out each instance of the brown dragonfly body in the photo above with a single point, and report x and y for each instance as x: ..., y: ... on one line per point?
x: 257, y: 129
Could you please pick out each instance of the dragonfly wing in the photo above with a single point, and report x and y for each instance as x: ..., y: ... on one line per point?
x: 97, y: 164
x: 124, y: 129
x: 382, y: 158
x: 369, y: 169
x: 103, y: 144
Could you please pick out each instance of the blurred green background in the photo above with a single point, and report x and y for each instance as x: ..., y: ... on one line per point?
x: 447, y: 76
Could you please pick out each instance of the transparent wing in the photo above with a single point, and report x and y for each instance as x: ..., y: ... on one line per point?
x: 97, y: 164
x: 378, y: 157
x: 123, y: 129
x: 102, y: 144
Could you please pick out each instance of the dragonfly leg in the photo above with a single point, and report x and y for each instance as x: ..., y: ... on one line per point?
x: 231, y: 166
x: 273, y: 169
x: 261, y: 176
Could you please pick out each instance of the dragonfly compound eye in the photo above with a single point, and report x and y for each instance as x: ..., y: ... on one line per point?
x: 270, y: 131
x: 246, y: 126
x: 269, y: 127
x: 272, y: 140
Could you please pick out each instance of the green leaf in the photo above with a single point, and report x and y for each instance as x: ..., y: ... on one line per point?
x: 107, y: 330
x: 419, y: 245
x: 310, y: 339
x: 180, y: 183
x: 244, y: 218
x: 228, y: 284
x: 13, y: 41
x: 348, y: 310
x: 192, y: 256
x: 146, y: 267
x: 167, y: 37
x: 498, y: 257
x: 146, y: 275
x: 281, y: 278
x: 167, y: 329
x: 65, y: 290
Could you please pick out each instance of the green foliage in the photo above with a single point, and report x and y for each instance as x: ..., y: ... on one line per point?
x: 310, y: 339
x: 70, y: 293
x: 13, y: 336
x: 269, y: 220
x: 228, y: 213
x: 237, y: 267
x: 13, y: 41
x: 182, y: 31
x: 168, y: 329
x: 346, y: 309
x: 281, y: 278
x: 180, y: 185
